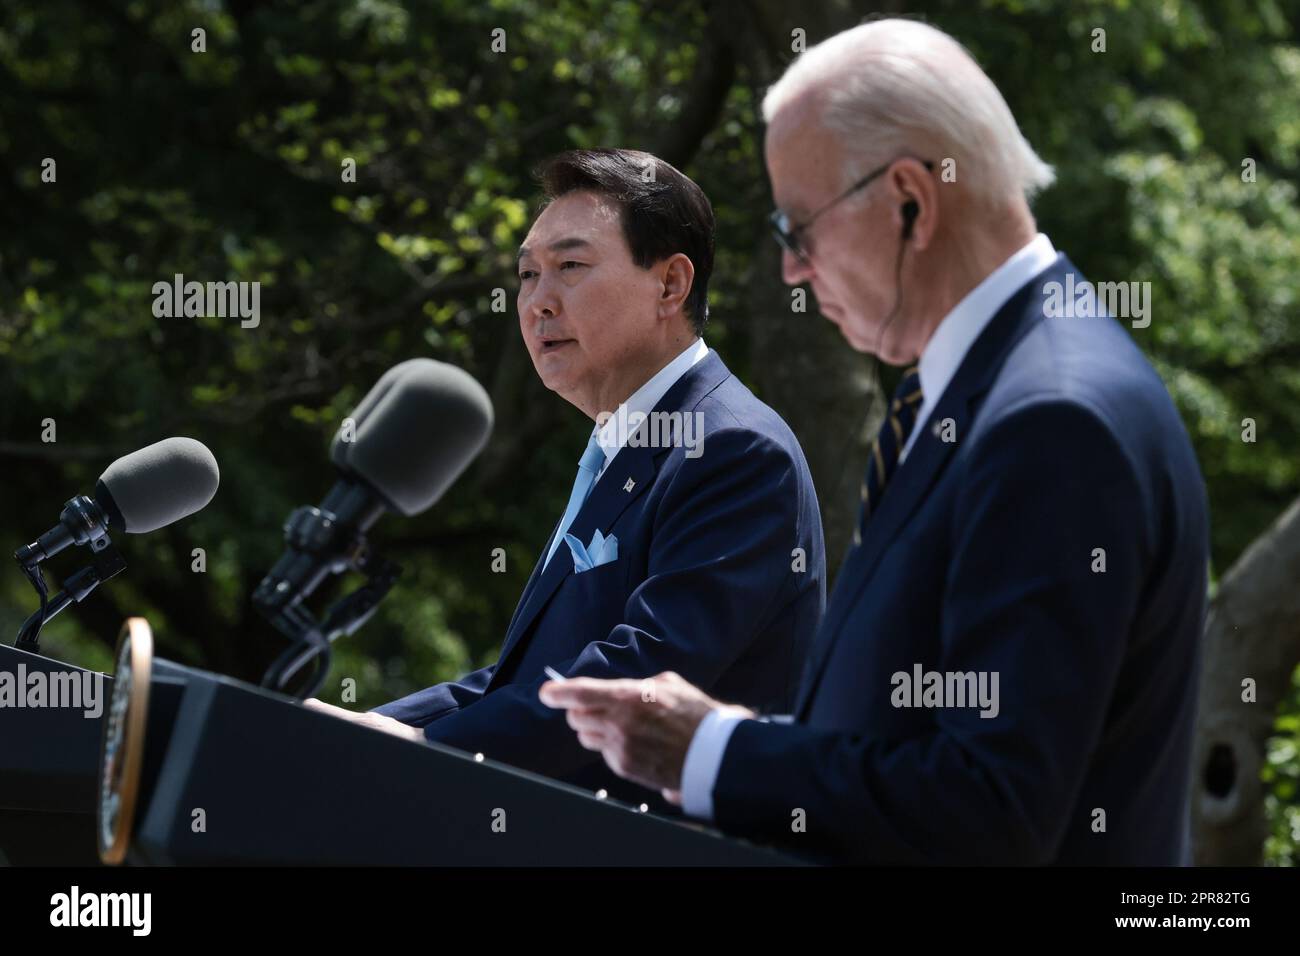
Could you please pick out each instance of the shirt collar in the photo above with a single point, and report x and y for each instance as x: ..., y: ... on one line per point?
x: 645, y: 398
x: 943, y: 354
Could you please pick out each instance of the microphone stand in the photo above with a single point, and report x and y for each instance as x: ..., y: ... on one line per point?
x: 108, y: 563
x: 314, y: 531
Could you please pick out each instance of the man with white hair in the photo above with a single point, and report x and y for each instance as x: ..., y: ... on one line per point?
x: 1008, y: 667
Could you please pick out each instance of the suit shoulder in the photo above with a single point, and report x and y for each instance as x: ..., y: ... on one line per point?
x: 1090, y: 364
x: 742, y: 436
x: 1071, y: 384
x: 733, y: 407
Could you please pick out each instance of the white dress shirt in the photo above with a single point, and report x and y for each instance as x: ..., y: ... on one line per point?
x: 645, y: 398
x: 940, y: 359
x: 943, y: 354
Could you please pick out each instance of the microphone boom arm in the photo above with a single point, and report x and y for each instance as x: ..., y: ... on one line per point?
x: 314, y: 534
x: 107, y: 563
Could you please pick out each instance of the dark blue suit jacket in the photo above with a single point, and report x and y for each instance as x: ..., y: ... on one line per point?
x: 706, y: 583
x: 981, y: 558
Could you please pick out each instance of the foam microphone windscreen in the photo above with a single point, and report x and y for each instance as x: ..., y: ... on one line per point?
x: 161, y: 483
x: 415, y: 432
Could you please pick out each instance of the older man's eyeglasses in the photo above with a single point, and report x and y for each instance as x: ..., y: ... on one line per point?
x: 789, y: 235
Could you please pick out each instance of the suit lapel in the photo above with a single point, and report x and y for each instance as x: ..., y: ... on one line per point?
x: 532, y: 580
x: 624, y: 480
x: 925, y: 462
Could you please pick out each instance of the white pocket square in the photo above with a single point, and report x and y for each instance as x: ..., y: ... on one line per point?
x: 602, y: 550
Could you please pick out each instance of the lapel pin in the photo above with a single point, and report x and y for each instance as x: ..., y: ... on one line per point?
x: 630, y: 485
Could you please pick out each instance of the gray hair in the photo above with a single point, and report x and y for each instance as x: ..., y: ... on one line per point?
x: 891, y: 88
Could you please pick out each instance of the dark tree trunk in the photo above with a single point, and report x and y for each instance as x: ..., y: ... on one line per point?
x: 1252, y: 631
x: 801, y: 365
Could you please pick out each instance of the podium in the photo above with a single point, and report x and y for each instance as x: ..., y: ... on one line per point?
x: 49, y: 758
x: 217, y: 771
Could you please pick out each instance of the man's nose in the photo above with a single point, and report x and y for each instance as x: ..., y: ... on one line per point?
x: 544, y: 303
x: 794, y: 270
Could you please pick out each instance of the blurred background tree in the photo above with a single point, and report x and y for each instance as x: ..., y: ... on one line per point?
x: 1177, y: 148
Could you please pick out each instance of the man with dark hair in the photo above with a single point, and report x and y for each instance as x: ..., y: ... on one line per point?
x: 663, y: 211
x: 691, y: 540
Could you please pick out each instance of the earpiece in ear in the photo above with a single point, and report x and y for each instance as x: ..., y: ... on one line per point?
x: 910, y: 210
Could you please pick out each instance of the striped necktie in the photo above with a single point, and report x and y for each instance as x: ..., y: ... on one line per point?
x: 891, y: 438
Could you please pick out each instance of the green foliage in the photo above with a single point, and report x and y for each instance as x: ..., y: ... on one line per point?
x: 1281, y: 775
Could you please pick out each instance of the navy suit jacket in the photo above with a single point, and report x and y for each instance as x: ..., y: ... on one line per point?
x: 720, y: 576
x: 982, y: 557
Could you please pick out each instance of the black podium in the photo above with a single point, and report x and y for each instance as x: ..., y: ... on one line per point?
x: 230, y: 773
x: 49, y: 759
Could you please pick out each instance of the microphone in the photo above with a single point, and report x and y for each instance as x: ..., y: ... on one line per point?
x: 140, y: 492
x: 408, y: 440
x: 415, y: 432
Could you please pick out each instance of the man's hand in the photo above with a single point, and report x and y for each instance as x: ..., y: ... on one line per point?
x: 643, y: 728
x: 374, y: 721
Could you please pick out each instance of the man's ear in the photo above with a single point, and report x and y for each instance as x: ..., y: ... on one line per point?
x: 916, y: 195
x: 678, y: 276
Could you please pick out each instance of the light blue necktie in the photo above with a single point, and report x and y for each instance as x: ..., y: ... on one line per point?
x: 588, y: 468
